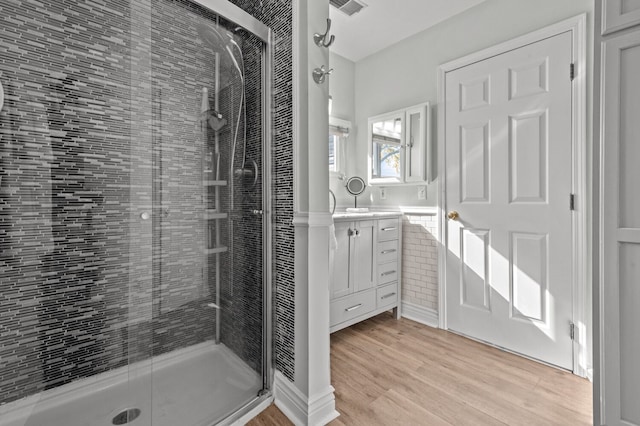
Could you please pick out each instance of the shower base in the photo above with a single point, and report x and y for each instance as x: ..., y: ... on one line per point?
x: 195, y: 386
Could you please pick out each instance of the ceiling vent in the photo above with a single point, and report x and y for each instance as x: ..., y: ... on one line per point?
x: 349, y: 7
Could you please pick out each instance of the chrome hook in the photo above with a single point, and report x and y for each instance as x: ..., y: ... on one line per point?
x: 319, y: 39
x: 320, y: 74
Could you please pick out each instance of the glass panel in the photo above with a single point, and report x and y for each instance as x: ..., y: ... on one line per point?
x: 386, y: 148
x: 414, y: 147
x: 131, y: 220
x: 207, y: 149
x: 386, y: 158
x: 75, y: 228
x: 338, y: 135
x: 333, y: 149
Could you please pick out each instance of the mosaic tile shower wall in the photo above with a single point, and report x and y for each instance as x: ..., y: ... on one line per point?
x: 65, y: 168
x: 69, y: 193
x: 278, y: 15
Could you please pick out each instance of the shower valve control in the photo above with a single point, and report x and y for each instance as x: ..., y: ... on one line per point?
x: 256, y: 212
x: 145, y: 215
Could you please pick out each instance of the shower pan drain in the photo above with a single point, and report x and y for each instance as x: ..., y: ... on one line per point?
x: 126, y: 416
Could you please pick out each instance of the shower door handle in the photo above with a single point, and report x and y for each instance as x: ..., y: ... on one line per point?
x: 1, y: 96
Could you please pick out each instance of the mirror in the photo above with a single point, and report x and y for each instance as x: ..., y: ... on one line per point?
x: 355, y: 187
x: 386, y: 140
x: 398, y: 146
x: 338, y: 136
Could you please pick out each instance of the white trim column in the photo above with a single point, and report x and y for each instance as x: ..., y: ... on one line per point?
x: 309, y: 399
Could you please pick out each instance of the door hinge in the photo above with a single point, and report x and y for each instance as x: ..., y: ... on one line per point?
x: 572, y: 71
x: 572, y: 201
x: 572, y: 330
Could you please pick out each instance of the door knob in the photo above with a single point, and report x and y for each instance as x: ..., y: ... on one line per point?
x: 453, y: 215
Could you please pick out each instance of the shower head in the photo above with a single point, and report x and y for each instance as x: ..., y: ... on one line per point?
x: 220, y: 41
x: 212, y: 36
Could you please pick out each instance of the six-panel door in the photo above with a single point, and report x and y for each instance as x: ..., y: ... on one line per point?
x: 508, y: 178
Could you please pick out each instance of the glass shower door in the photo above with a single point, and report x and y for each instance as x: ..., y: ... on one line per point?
x: 75, y: 216
x: 132, y: 173
x: 207, y: 136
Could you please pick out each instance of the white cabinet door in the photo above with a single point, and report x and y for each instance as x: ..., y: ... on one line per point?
x: 620, y: 232
x: 508, y: 175
x: 341, y: 284
x: 416, y: 144
x: 363, y: 255
x: 619, y: 14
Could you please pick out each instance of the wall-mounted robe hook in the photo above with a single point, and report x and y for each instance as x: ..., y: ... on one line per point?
x: 320, y: 74
x: 320, y: 38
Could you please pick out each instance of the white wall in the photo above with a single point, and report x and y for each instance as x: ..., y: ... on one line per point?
x: 406, y: 73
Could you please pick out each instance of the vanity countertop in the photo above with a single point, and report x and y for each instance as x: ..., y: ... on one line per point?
x: 365, y: 215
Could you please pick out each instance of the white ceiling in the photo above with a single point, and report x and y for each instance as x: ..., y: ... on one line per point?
x: 386, y: 22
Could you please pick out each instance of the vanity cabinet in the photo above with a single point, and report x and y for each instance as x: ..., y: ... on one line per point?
x: 366, y: 267
x: 353, y: 260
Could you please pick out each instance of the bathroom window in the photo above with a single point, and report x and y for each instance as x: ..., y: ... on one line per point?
x: 338, y: 136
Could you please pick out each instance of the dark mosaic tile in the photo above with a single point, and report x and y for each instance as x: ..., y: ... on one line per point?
x: 84, y: 144
x: 278, y: 15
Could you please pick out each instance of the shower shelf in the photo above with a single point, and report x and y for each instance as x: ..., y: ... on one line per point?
x: 215, y: 183
x: 212, y: 214
x: 216, y: 250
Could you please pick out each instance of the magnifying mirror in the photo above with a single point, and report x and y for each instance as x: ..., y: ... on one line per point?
x: 355, y: 187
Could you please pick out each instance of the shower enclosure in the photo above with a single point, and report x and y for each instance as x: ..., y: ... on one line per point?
x: 135, y: 198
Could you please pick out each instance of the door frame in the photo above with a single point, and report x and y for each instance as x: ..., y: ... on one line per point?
x: 580, y: 243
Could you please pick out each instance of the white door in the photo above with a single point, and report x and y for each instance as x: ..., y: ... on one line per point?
x: 620, y: 232
x: 508, y: 136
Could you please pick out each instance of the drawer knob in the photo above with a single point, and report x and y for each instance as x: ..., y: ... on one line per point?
x: 353, y: 308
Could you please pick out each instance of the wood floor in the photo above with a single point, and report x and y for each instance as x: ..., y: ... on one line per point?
x: 399, y: 372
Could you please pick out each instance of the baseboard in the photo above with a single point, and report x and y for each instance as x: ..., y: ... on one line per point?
x: 590, y: 374
x: 420, y: 314
x: 300, y: 410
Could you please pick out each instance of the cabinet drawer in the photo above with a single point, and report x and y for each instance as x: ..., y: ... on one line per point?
x: 388, y: 229
x: 387, y: 251
x: 352, y: 306
x: 387, y: 295
x: 387, y: 272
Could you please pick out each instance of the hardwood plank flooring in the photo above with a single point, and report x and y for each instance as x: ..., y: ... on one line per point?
x: 399, y: 372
